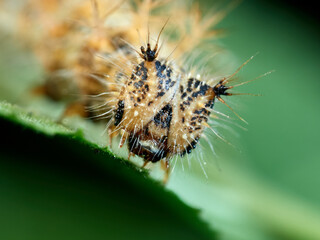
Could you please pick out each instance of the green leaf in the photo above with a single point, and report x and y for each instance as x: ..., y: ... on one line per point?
x: 55, y: 184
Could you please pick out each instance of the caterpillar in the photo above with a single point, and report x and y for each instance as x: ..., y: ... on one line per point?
x: 149, y: 96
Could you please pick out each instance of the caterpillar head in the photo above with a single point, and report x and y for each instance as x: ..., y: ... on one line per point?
x: 149, y: 54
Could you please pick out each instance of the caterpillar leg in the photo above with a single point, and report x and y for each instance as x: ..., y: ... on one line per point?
x: 39, y: 90
x: 165, y: 165
x: 124, y: 136
x: 132, y: 154
x: 74, y: 109
x: 112, y: 132
x: 145, y: 164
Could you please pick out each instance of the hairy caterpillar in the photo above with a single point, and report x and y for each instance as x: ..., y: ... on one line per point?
x: 150, y: 97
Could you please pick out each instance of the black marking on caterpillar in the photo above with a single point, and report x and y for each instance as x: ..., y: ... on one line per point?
x: 119, y: 113
x: 149, y: 147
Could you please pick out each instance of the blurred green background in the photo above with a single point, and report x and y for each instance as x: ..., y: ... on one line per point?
x: 277, y: 172
x: 267, y: 188
x: 282, y: 140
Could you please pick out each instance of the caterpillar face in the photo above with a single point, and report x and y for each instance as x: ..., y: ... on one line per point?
x: 161, y: 110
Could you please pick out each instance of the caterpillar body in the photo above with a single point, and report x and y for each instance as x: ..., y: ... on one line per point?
x: 161, y: 110
x: 157, y: 105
